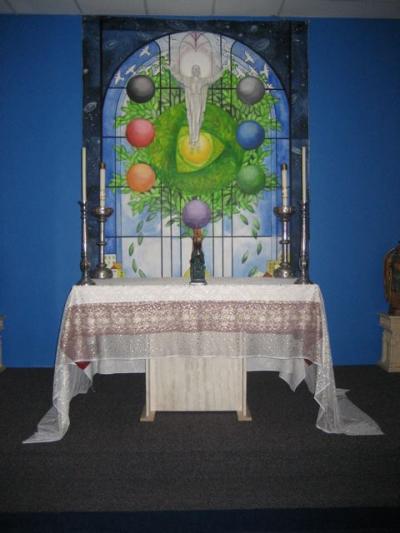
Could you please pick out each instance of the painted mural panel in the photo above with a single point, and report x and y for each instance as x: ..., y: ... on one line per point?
x: 194, y: 123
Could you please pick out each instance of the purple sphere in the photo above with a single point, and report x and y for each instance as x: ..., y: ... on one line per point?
x: 196, y: 214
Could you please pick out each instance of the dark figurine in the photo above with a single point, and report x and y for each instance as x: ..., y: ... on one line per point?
x: 197, y: 264
x: 392, y: 280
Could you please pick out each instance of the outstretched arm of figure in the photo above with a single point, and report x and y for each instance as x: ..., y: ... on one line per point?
x: 213, y: 79
x: 172, y: 67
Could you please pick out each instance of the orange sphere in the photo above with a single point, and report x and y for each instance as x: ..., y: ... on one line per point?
x: 141, y: 177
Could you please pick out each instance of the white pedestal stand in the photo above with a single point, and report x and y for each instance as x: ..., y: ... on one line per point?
x: 390, y: 360
x: 196, y: 384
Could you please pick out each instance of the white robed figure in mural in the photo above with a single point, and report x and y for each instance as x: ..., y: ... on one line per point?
x: 196, y: 64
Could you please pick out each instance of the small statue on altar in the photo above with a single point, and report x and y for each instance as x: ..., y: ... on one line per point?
x: 392, y: 280
x: 197, y: 263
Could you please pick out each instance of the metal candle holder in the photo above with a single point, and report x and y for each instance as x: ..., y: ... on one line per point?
x: 85, y: 264
x: 102, y: 271
x: 284, y: 213
x: 304, y: 278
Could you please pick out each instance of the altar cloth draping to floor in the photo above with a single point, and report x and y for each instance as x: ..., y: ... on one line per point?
x: 114, y: 326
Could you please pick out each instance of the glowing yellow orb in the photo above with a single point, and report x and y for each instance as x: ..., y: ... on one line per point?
x: 199, y: 153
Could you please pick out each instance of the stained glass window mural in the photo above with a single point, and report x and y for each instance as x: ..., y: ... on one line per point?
x: 193, y: 121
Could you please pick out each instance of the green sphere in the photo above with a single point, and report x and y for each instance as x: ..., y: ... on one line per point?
x: 251, y: 179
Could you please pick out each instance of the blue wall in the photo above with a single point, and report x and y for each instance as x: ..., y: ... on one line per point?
x: 354, y: 114
x: 40, y: 119
x: 354, y: 89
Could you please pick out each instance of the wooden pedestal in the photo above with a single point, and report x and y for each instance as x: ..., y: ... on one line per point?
x: 196, y: 384
x: 390, y: 359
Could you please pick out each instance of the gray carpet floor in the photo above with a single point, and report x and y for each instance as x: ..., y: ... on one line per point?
x: 109, y: 461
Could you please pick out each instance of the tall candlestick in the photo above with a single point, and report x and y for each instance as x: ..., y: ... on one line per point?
x: 102, y: 185
x: 304, y: 174
x: 84, y: 174
x: 284, y: 270
x: 102, y: 271
x: 285, y: 198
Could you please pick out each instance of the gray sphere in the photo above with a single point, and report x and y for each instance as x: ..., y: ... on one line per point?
x: 140, y: 89
x: 250, y: 90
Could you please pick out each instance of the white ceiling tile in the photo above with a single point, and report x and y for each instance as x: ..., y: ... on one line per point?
x: 342, y: 8
x: 322, y: 8
x: 247, y: 8
x: 180, y: 7
x: 225, y: 8
x: 112, y: 7
x: 44, y: 7
x: 383, y: 8
x: 5, y: 8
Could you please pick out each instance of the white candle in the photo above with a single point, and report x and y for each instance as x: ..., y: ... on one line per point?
x: 84, y: 174
x: 284, y: 185
x: 102, y: 185
x: 304, y: 174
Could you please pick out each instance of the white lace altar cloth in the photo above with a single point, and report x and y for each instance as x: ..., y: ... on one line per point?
x: 276, y: 325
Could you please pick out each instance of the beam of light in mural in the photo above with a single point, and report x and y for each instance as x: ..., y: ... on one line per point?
x: 194, y: 64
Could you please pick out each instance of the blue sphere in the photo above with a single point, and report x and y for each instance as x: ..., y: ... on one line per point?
x: 250, y: 134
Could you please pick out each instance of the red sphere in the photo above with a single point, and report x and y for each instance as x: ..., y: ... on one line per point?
x: 140, y: 132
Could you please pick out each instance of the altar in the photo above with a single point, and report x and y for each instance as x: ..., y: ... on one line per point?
x: 240, y: 325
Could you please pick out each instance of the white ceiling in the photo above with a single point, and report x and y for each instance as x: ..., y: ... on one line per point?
x: 209, y: 8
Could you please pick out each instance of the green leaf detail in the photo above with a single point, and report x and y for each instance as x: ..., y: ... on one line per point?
x: 118, y: 181
x: 140, y: 239
x: 259, y: 248
x: 122, y: 152
x: 131, y: 249
x: 142, y: 274
x: 252, y: 272
x: 139, y: 227
x: 244, y: 219
x: 134, y: 265
x: 245, y: 256
x: 170, y: 222
x: 150, y: 217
